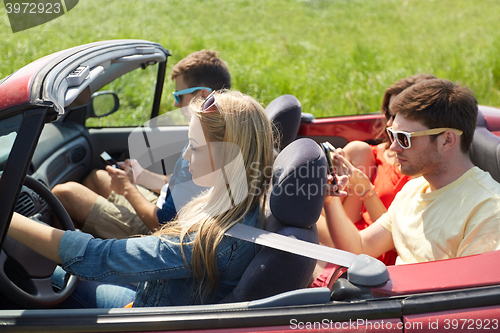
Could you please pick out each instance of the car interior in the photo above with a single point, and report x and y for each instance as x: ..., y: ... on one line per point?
x: 68, y: 149
x: 88, y: 94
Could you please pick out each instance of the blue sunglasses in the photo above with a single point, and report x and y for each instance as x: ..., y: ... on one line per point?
x: 187, y: 91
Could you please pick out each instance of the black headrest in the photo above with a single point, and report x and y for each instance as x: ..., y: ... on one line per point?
x: 485, y: 149
x: 285, y: 112
x: 481, y: 121
x: 299, y: 184
x: 485, y: 152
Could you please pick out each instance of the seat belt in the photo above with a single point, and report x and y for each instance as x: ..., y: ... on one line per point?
x: 292, y: 245
x: 362, y: 269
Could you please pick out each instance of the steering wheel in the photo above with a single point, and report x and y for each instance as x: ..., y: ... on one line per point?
x: 25, y: 276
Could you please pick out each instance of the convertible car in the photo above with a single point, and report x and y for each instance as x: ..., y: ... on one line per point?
x: 59, y: 113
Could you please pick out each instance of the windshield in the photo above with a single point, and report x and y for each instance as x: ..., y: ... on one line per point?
x: 8, y: 133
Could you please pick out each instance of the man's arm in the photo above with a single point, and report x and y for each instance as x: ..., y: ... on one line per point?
x: 146, y: 178
x: 122, y: 183
x: 145, y: 209
x: 374, y: 240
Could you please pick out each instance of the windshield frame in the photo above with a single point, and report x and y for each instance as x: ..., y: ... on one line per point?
x: 18, y: 163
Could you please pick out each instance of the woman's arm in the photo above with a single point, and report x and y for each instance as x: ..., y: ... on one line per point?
x: 126, y: 260
x: 343, y: 232
x: 39, y: 237
x: 374, y: 206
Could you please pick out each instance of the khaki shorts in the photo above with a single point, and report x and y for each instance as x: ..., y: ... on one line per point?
x: 115, y: 217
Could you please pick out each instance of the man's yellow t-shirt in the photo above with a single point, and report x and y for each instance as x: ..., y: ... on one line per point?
x: 460, y: 219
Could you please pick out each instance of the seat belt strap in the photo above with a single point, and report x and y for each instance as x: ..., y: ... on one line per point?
x: 292, y: 245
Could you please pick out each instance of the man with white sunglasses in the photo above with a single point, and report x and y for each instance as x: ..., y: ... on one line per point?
x: 453, y: 209
x: 96, y: 209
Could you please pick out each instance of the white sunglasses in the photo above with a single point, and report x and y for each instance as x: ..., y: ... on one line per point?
x: 403, y: 138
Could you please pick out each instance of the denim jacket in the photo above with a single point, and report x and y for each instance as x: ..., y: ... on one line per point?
x: 156, y: 263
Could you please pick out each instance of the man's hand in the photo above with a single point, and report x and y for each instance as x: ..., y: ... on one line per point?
x: 121, y: 180
x: 336, y: 190
x: 134, y: 165
x: 358, y: 180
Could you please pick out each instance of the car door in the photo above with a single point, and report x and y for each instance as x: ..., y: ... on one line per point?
x: 134, y: 129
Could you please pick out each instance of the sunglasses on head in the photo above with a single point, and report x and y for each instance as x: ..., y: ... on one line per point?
x: 403, y: 138
x: 210, y: 104
x: 187, y: 91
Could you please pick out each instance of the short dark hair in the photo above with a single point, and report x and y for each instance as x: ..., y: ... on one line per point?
x: 440, y: 103
x: 203, y: 68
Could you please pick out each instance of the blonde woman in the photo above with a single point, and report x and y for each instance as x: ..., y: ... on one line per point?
x: 189, y: 260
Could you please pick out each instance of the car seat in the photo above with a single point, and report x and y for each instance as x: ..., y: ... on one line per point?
x: 485, y: 149
x: 285, y: 112
x: 295, y: 203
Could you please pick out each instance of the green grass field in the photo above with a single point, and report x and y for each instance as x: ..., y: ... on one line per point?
x: 336, y: 56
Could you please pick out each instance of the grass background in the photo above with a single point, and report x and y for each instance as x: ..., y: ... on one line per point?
x: 336, y: 56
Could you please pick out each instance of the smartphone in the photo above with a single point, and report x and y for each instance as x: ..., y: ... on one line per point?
x: 328, y: 149
x: 109, y: 160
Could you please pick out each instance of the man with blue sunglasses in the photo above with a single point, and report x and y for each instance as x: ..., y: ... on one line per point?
x: 95, y: 209
x: 197, y: 75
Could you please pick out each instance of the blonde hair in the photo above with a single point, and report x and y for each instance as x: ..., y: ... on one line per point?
x: 246, y: 127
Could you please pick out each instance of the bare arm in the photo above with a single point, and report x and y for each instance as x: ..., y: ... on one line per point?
x: 361, y: 189
x: 145, y: 209
x: 41, y: 238
x: 343, y: 232
x: 374, y: 207
x: 144, y: 177
x: 374, y: 240
x: 122, y: 183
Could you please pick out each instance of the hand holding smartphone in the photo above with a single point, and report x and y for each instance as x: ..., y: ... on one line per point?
x: 109, y: 160
x: 327, y: 149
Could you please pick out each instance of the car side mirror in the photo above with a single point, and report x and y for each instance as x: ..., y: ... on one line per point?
x: 103, y: 103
